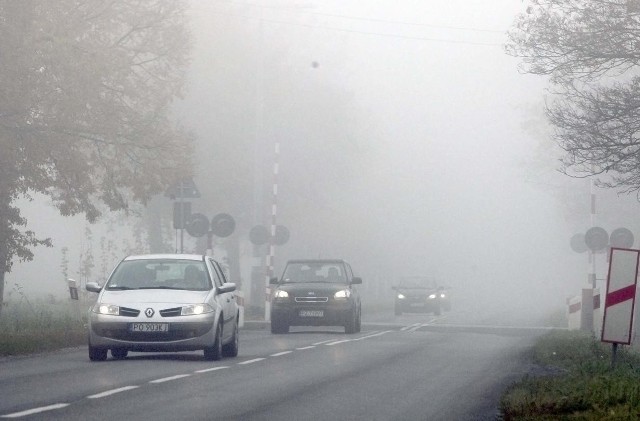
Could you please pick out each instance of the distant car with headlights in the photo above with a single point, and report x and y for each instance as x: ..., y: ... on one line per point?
x: 419, y: 295
x: 316, y: 293
x: 164, y: 303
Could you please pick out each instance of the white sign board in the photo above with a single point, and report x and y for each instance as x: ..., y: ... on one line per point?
x: 621, y: 296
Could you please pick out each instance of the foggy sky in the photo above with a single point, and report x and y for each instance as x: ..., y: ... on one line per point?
x: 434, y: 174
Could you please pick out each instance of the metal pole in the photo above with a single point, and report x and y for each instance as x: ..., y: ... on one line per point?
x: 257, y: 291
x: 614, y: 354
x: 272, y: 238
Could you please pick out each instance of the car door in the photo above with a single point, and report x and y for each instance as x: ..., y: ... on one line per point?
x: 227, y: 300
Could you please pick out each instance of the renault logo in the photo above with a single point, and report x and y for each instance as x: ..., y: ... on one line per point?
x: 149, y: 312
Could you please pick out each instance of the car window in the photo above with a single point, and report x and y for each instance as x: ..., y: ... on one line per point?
x: 315, y: 272
x: 160, y: 274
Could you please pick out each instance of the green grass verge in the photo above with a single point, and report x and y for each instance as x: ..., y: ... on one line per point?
x: 27, y: 328
x: 576, y: 382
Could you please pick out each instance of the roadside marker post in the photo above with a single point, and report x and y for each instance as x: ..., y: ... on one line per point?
x: 620, y: 298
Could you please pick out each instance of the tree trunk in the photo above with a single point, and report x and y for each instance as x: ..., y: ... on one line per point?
x: 3, y: 261
x: 1, y: 291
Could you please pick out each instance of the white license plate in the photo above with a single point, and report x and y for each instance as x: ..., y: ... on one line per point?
x: 149, y: 327
x: 311, y: 313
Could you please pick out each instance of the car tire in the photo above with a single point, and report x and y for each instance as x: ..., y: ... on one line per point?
x: 350, y: 325
x: 119, y: 353
x: 214, y: 352
x: 231, y: 349
x: 97, y: 354
x: 279, y: 327
x: 359, y: 322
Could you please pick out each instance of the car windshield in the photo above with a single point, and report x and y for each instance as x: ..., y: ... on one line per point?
x: 416, y: 282
x: 160, y: 274
x: 314, y: 272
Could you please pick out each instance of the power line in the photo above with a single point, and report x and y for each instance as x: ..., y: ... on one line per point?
x: 360, y: 18
x: 353, y: 31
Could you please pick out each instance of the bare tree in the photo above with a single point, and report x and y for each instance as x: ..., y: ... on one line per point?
x: 85, y: 94
x: 589, y: 49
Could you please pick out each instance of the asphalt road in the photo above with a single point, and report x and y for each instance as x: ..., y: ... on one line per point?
x: 414, y: 367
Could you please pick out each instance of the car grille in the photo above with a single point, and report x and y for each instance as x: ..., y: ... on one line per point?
x: 171, y: 312
x: 129, y: 312
x: 175, y: 333
x: 311, y: 299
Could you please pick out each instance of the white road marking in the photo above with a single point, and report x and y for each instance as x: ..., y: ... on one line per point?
x: 206, y: 370
x: 281, y: 353
x: 112, y: 392
x: 338, y: 342
x: 305, y: 347
x: 35, y: 410
x: 410, y: 326
x: 323, y: 342
x: 167, y: 379
x: 373, y: 335
x: 255, y: 360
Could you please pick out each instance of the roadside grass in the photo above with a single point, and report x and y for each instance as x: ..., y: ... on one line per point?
x: 27, y: 328
x: 576, y: 381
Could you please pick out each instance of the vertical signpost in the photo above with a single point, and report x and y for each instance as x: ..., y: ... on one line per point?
x: 620, y: 298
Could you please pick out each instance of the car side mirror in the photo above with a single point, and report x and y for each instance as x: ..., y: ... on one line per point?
x: 273, y: 281
x: 356, y: 280
x: 228, y: 287
x: 93, y: 287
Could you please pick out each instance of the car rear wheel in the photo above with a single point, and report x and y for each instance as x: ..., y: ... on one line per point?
x: 97, y: 354
x: 214, y: 352
x: 119, y: 354
x: 231, y: 349
x: 359, y: 322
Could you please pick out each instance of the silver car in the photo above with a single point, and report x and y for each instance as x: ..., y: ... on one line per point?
x: 164, y: 302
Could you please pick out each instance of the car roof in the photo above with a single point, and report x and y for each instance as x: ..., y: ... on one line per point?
x: 195, y: 257
x: 316, y: 261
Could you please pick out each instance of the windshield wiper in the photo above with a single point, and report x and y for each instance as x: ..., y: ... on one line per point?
x: 119, y: 288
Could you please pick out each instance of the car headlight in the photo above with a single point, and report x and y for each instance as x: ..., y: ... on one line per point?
x: 343, y: 294
x: 195, y: 309
x: 401, y: 296
x: 106, y: 309
x: 432, y: 296
x: 281, y: 294
x: 443, y: 295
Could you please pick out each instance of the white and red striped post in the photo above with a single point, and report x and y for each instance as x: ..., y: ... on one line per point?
x: 620, y: 298
x: 272, y: 237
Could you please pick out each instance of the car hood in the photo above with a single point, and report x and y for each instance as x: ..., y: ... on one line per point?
x: 416, y: 291
x: 154, y: 296
x: 304, y: 288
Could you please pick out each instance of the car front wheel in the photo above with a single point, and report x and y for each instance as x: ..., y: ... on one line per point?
x: 214, y: 352
x: 119, y: 354
x: 97, y: 354
x: 351, y: 325
x: 278, y: 326
x: 231, y: 349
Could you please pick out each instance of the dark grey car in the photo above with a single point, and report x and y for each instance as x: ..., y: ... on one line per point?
x: 316, y: 293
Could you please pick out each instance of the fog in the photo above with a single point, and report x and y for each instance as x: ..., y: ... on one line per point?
x: 409, y: 145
